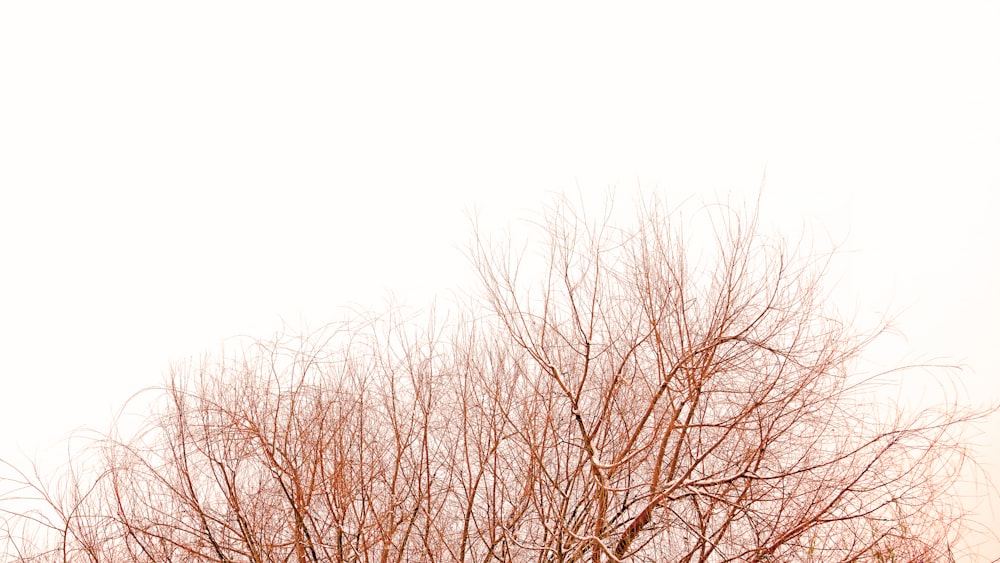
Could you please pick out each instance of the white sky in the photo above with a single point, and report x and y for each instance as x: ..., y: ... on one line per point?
x: 173, y: 174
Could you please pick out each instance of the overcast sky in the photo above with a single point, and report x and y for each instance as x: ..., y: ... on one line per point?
x: 174, y: 174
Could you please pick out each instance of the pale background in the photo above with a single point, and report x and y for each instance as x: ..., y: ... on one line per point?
x: 173, y: 174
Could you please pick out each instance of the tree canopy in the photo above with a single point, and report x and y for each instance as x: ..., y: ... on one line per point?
x: 616, y: 391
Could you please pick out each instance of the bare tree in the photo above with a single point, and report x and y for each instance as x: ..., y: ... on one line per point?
x: 636, y: 397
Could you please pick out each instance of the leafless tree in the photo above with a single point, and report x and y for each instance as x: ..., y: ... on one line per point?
x: 623, y: 394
